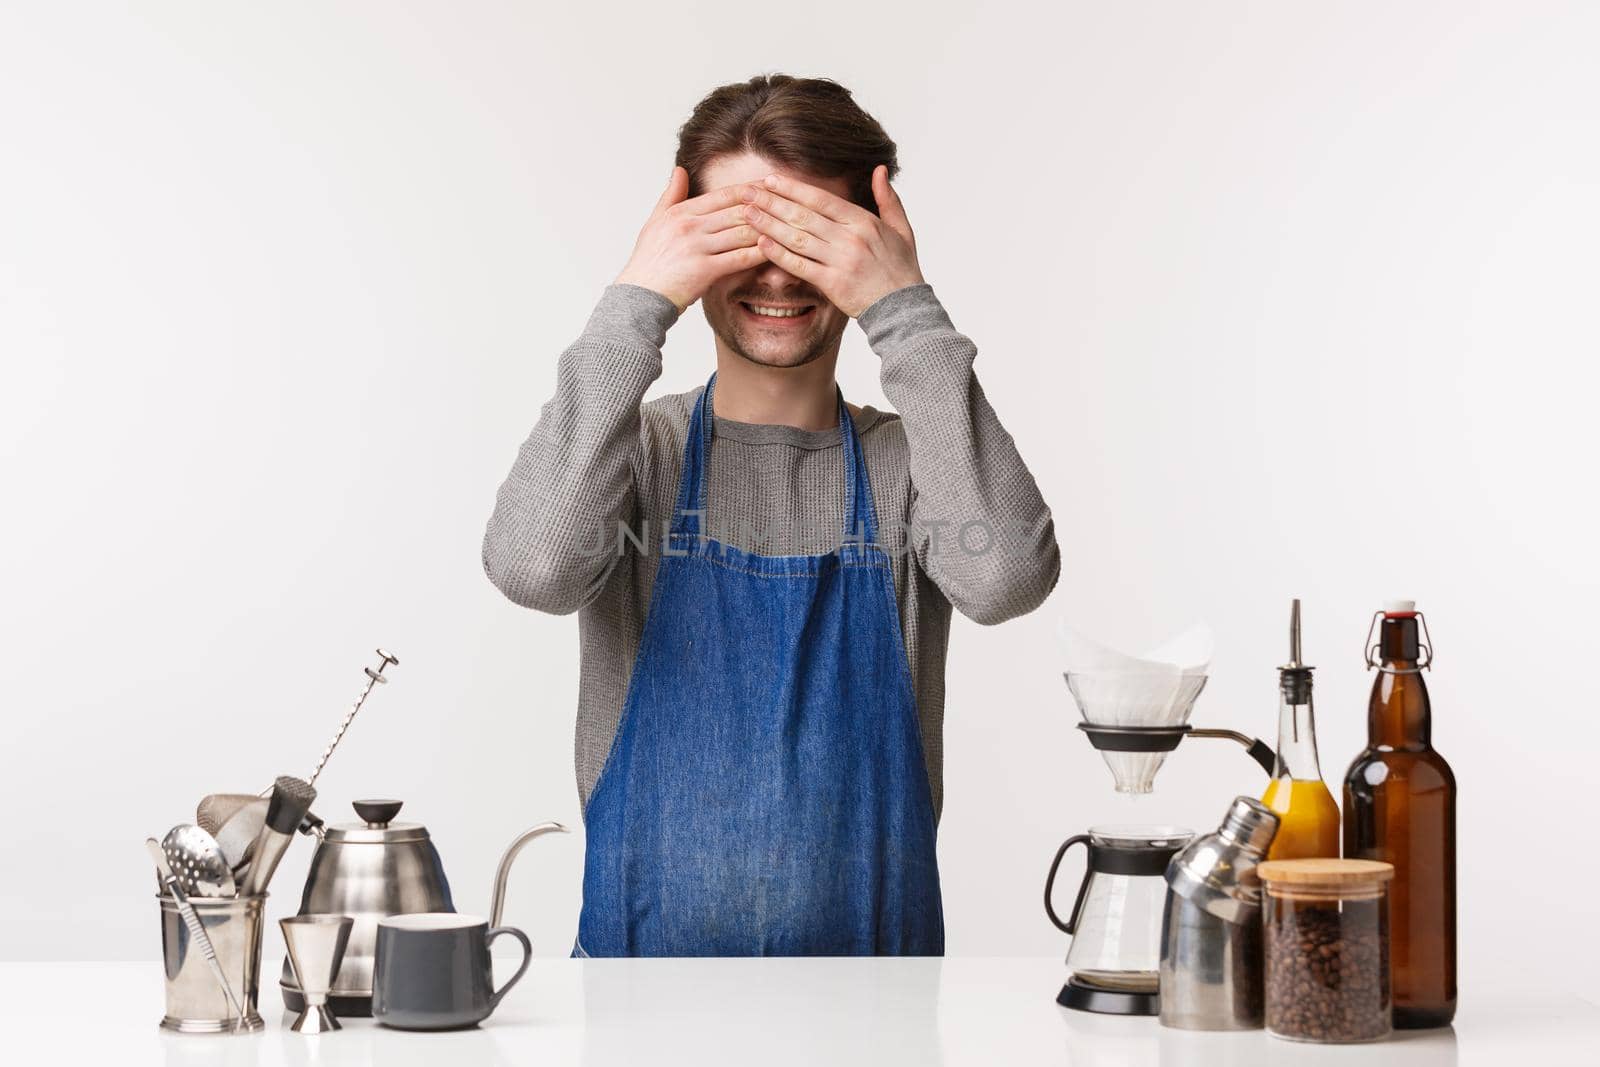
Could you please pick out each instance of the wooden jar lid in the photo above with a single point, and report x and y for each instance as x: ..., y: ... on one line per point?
x: 1325, y: 872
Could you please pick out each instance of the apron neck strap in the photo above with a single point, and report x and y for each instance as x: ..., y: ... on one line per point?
x: 860, y: 516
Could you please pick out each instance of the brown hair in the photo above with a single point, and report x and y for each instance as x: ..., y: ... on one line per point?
x: 806, y: 124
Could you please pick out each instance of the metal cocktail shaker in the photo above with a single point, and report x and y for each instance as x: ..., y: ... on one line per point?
x: 1211, y: 962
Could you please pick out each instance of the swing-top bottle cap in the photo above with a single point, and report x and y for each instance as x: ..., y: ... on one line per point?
x: 1399, y: 608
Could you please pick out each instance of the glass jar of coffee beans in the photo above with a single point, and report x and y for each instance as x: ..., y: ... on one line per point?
x: 1326, y: 942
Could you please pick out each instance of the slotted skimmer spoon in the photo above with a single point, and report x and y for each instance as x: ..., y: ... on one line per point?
x: 197, y: 862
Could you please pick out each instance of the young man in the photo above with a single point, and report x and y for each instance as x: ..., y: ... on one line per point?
x: 764, y: 574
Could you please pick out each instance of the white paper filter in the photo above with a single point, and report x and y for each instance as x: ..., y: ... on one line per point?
x: 1158, y: 688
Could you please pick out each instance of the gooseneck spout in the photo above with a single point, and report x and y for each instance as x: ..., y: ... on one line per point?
x: 503, y: 874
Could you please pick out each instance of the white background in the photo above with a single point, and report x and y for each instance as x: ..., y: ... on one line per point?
x: 1279, y: 299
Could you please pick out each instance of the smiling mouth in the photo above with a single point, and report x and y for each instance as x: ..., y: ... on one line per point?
x: 783, y: 315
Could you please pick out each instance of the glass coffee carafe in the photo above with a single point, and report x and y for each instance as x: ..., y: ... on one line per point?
x: 1115, y: 923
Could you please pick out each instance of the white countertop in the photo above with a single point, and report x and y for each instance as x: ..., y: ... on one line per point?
x: 649, y: 1013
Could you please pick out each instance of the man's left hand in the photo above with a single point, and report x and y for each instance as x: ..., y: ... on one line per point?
x: 850, y: 255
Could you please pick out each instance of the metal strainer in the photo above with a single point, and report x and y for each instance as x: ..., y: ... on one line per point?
x: 197, y: 862
x: 214, y: 810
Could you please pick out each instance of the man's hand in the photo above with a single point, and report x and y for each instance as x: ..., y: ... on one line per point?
x: 688, y: 244
x: 850, y: 255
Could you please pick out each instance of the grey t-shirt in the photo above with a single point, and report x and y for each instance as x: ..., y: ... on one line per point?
x: 598, y: 477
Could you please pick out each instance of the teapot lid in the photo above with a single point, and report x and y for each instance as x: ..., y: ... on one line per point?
x: 377, y: 825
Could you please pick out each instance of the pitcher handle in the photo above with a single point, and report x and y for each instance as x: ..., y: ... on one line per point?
x: 527, y: 958
x: 497, y: 903
x: 1071, y: 925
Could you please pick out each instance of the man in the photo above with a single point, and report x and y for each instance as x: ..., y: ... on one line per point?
x: 763, y: 574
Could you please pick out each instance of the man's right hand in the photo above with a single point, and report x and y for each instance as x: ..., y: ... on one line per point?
x: 688, y: 244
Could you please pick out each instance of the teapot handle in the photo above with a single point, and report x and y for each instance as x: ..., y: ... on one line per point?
x: 503, y: 873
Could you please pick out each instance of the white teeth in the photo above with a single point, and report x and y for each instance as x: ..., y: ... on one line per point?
x: 777, y: 313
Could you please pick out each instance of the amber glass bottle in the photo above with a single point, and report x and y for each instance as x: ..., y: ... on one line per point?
x: 1400, y: 807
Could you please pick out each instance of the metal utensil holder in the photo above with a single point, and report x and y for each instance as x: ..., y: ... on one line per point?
x: 195, y: 1003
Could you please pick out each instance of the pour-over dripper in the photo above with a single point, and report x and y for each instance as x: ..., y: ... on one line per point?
x: 1136, y: 709
x: 1127, y: 704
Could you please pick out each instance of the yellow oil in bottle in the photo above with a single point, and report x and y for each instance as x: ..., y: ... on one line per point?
x: 1308, y: 819
x: 1308, y: 816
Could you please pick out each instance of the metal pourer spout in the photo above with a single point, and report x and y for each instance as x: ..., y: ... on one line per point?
x: 1294, y: 677
x: 1294, y: 633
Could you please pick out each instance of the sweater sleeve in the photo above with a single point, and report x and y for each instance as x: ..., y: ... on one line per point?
x: 979, y: 526
x: 548, y: 543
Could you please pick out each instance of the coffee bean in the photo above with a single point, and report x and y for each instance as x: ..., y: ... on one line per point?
x: 1327, y: 969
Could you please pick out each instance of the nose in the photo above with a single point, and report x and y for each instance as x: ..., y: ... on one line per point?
x: 775, y: 277
x: 771, y: 280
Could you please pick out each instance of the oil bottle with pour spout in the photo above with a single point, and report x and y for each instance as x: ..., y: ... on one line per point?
x: 1308, y: 817
x: 373, y: 869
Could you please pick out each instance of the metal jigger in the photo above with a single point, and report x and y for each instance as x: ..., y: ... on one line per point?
x: 316, y: 948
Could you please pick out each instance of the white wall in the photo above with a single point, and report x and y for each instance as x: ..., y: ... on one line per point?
x: 1278, y: 299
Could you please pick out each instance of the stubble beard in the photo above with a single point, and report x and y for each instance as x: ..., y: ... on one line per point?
x: 746, y: 343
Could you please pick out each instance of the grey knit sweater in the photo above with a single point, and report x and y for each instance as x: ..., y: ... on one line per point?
x: 598, y: 476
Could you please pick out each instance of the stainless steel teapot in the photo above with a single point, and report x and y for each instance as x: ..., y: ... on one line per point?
x: 373, y: 869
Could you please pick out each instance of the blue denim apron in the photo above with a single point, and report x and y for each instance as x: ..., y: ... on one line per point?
x: 766, y: 793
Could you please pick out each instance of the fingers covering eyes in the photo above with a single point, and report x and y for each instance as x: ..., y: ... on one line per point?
x: 722, y: 220
x: 738, y: 259
x: 715, y: 200
x: 733, y: 237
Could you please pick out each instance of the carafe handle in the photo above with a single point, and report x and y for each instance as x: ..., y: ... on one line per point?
x: 1071, y: 925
